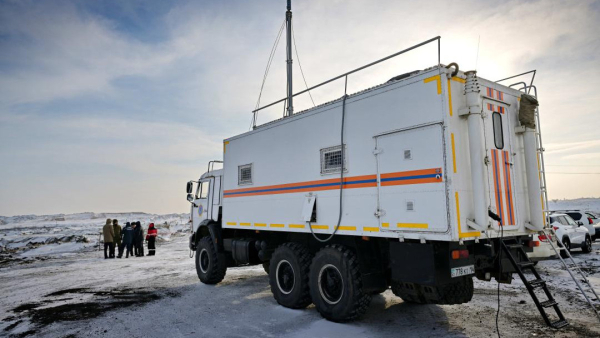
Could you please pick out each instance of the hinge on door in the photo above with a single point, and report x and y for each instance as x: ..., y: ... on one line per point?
x: 486, y: 160
x: 379, y: 213
x: 377, y: 151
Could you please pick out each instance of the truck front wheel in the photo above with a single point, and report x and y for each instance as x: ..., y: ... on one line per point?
x: 336, y: 285
x: 288, y: 275
x: 211, y: 265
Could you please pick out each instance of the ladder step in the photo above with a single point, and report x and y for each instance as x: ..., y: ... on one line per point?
x: 536, y: 283
x: 549, y: 303
x: 559, y: 324
x: 514, y: 246
x: 526, y: 264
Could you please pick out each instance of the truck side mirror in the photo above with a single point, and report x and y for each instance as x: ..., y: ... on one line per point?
x: 190, y: 198
x: 188, y: 187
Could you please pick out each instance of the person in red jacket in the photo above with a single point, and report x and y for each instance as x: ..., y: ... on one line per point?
x: 151, y: 239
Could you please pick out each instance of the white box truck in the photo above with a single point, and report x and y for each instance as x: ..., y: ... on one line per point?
x: 418, y: 184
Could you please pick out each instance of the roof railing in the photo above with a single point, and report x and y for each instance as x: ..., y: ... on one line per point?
x: 437, y: 38
x: 512, y: 77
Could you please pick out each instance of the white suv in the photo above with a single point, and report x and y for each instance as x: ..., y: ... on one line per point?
x: 587, y: 219
x: 570, y: 234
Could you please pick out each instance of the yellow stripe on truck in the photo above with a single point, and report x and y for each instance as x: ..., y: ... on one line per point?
x: 439, y: 82
x: 320, y: 227
x: 413, y: 225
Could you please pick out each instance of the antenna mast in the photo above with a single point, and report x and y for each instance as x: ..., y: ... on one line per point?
x: 288, y: 24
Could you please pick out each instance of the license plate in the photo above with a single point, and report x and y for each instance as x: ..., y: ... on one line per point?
x: 462, y: 271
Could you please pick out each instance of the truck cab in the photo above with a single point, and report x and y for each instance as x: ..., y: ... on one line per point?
x: 205, y: 196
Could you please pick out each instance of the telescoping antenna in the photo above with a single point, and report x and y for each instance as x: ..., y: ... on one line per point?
x: 288, y: 26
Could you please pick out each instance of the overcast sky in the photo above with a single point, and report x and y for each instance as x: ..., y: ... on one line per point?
x: 112, y: 106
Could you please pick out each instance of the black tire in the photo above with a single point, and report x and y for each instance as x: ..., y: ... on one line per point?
x: 409, y: 292
x: 266, y: 266
x: 332, y: 267
x: 587, y: 246
x: 211, y: 265
x: 457, y: 292
x: 567, y: 245
x: 288, y: 275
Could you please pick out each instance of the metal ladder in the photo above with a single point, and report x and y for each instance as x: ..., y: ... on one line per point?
x: 575, y: 267
x: 522, y: 262
x: 542, y: 170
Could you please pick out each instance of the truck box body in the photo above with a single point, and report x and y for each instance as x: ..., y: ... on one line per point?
x: 407, y: 164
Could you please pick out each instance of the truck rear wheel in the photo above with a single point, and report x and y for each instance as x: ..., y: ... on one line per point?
x: 288, y: 275
x: 336, y: 285
x: 211, y: 265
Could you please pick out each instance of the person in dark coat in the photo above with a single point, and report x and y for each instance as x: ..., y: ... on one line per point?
x: 117, y: 239
x: 151, y: 239
x: 139, y: 239
x: 136, y: 237
x: 127, y: 239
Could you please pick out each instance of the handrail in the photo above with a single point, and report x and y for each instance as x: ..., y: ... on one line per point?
x: 518, y: 83
x: 532, y: 78
x: 211, y: 164
x: 438, y: 38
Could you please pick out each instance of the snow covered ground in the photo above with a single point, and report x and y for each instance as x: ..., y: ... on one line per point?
x: 32, y: 237
x: 62, y: 293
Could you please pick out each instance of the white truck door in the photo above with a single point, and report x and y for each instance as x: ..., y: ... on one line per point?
x: 199, y: 208
x: 498, y: 142
x: 411, y: 185
x: 215, y: 198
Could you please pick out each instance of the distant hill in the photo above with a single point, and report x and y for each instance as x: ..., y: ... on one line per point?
x: 586, y: 204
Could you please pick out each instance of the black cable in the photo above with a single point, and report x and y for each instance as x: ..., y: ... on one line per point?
x: 299, y: 64
x: 499, y: 274
x: 341, y: 173
x: 269, y: 62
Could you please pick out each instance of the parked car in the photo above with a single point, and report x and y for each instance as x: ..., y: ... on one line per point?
x: 587, y: 219
x: 595, y: 219
x: 542, y: 250
x: 570, y: 234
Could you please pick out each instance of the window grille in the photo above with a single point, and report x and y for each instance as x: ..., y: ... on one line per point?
x: 331, y: 160
x: 410, y: 206
x: 245, y: 174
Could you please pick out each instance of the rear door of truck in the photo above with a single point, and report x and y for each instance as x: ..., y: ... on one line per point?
x: 498, y: 125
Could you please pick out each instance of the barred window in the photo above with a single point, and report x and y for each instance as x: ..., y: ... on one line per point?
x: 245, y: 174
x: 331, y: 160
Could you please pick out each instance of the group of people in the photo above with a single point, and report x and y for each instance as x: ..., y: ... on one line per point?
x: 129, y: 238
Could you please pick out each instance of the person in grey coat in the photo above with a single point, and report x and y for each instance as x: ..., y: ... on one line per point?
x: 109, y: 240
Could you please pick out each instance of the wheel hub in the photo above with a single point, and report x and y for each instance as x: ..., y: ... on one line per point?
x: 331, y: 284
x: 204, y: 260
x: 285, y: 277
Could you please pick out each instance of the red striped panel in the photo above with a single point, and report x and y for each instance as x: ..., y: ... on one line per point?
x: 497, y: 185
x: 510, y: 205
